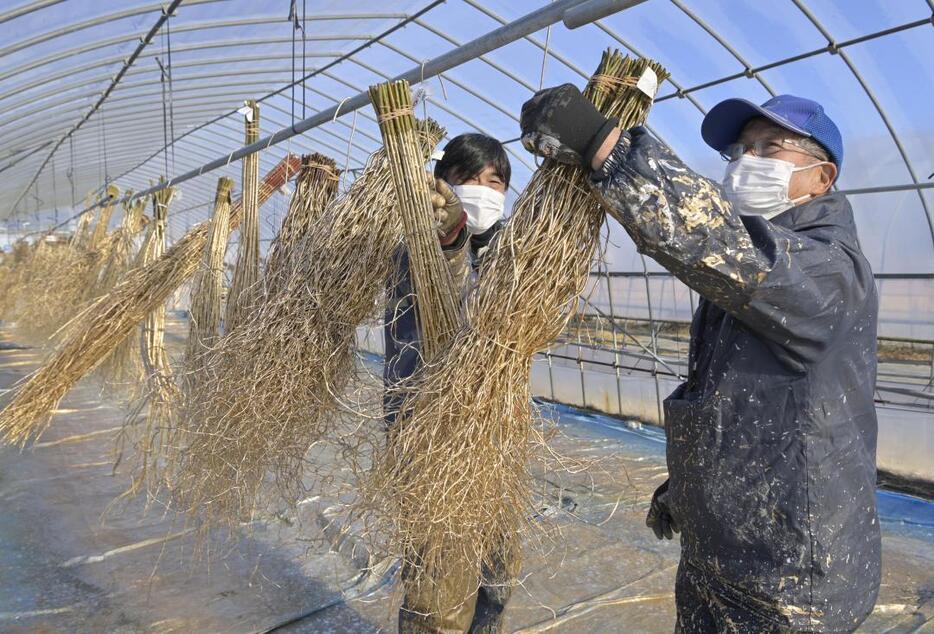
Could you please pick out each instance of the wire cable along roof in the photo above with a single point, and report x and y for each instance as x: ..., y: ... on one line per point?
x: 93, y: 93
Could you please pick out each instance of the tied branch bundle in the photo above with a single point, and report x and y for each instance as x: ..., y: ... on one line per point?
x: 246, y: 272
x: 207, y: 287
x: 315, y: 188
x: 60, y: 278
x: 437, y: 305
x: 453, y: 484
x: 273, y: 386
x: 109, y: 321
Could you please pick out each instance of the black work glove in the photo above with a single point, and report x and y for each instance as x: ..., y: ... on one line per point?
x: 659, y: 518
x: 561, y: 124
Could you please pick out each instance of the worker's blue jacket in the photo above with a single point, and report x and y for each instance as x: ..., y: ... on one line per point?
x: 772, y: 438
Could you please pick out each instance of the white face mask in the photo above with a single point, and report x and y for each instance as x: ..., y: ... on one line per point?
x: 483, y: 205
x: 758, y: 186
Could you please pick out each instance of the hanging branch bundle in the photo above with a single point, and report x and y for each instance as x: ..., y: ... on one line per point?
x: 122, y: 370
x: 151, y: 416
x: 452, y: 486
x: 246, y: 272
x: 437, y: 306
x: 109, y: 320
x: 18, y: 267
x: 81, y: 235
x: 59, y: 278
x: 155, y: 356
x: 99, y: 234
x: 208, y: 285
x: 315, y: 188
x: 119, y: 248
x: 272, y: 386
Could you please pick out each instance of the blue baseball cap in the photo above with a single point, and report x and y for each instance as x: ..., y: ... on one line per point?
x: 725, y: 121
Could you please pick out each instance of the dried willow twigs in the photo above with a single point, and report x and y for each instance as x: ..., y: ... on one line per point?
x: 122, y: 370
x: 246, y: 272
x: 452, y: 485
x: 112, y: 318
x: 315, y: 188
x: 155, y: 356
x: 272, y: 386
x: 438, y: 299
x: 208, y: 285
x: 151, y: 416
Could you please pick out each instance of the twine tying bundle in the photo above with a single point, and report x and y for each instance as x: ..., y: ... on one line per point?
x: 396, y: 113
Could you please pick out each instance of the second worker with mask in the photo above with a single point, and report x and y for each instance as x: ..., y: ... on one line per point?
x: 468, y: 186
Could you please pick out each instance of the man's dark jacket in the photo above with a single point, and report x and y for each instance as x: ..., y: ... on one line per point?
x: 772, y: 438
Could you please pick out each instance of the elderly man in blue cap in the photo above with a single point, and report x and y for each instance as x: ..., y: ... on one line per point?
x: 772, y: 438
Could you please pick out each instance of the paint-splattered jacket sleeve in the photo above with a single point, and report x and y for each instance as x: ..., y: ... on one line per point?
x: 791, y: 284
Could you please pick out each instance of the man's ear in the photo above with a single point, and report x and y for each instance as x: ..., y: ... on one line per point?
x: 826, y: 177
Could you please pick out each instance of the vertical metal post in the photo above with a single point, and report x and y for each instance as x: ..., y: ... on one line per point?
x: 648, y: 302
x: 619, y: 391
x: 551, y: 376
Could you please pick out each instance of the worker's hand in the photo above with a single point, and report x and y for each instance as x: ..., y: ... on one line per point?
x: 561, y: 124
x: 659, y: 518
x: 449, y: 213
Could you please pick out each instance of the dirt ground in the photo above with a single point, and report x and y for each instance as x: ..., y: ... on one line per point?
x: 64, y: 568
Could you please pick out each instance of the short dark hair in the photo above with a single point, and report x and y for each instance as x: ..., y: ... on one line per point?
x: 467, y: 155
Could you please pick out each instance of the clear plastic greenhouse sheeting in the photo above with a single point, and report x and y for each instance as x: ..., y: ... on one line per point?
x: 56, y: 61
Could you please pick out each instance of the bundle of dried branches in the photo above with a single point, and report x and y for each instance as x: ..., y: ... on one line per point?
x: 122, y: 370
x: 112, y: 318
x: 438, y: 299
x: 150, y: 419
x: 315, y: 188
x: 59, y: 279
x: 453, y: 484
x: 99, y: 234
x: 82, y: 236
x: 118, y: 254
x: 50, y: 290
x: 272, y: 386
x: 207, y: 287
x: 14, y: 271
x: 155, y: 356
x: 246, y: 273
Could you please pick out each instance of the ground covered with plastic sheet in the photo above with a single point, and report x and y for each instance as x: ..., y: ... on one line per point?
x: 65, y: 569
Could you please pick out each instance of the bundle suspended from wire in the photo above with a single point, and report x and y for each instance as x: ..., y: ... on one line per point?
x: 99, y: 234
x: 246, y: 272
x: 315, y: 188
x: 122, y: 371
x: 273, y: 386
x: 119, y: 252
x: 81, y: 236
x: 207, y: 287
x: 58, y: 282
x: 437, y: 306
x: 112, y: 318
x: 452, y: 487
x: 155, y: 357
x: 149, y: 422
x: 12, y: 270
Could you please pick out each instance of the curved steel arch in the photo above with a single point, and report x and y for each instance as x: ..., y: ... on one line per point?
x: 83, y: 82
x: 875, y: 102
x: 726, y: 45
